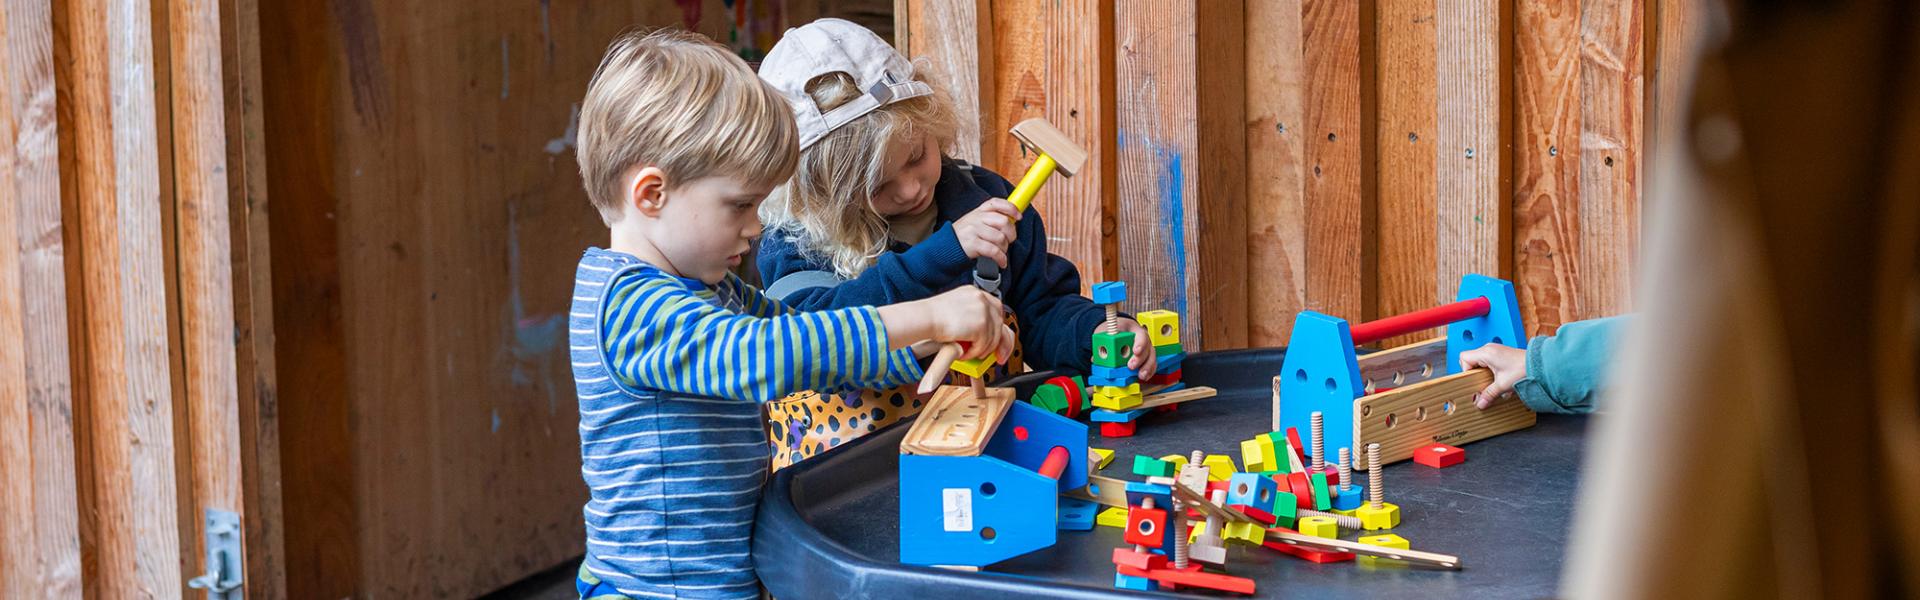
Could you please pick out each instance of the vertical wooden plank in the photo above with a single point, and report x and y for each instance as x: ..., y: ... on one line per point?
x: 1471, y: 152
x: 1410, y: 144
x: 1611, y: 95
x: 1673, y: 32
x: 203, y: 254
x: 254, y: 366
x: 1339, y: 221
x: 1054, y: 60
x: 1182, y: 161
x: 104, y: 54
x: 1276, y: 208
x: 39, y: 522
x: 1547, y: 154
x: 956, y: 37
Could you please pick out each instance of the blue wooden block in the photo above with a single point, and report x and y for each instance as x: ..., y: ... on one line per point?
x: 1129, y: 379
x: 1077, y: 514
x: 1111, y: 372
x: 1350, y: 498
x: 948, y: 504
x: 1251, y: 489
x: 1043, y: 430
x: 1129, y: 582
x: 1101, y: 415
x: 1168, y: 363
x: 1109, y: 292
x: 1501, y: 325
x: 1137, y: 491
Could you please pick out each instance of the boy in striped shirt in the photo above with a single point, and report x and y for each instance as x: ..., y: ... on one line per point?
x: 672, y: 355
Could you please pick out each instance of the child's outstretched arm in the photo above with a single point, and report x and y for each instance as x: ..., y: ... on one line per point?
x: 917, y: 273
x: 1561, y: 373
x: 659, y: 335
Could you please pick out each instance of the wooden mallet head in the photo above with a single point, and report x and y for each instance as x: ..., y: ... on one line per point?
x: 1038, y: 134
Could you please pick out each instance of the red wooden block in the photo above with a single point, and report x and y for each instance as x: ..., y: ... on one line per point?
x: 1165, y: 378
x: 1333, y: 474
x: 1146, y: 526
x: 1293, y: 439
x: 1439, y: 455
x: 1220, y: 485
x: 1145, y: 561
x: 1118, y: 429
x: 1306, y: 554
x: 1265, y: 518
x: 1302, y: 489
x: 1194, y: 577
x: 1167, y: 409
x: 1073, y: 395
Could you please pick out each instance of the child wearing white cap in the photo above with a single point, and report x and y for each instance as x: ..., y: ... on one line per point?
x: 877, y: 213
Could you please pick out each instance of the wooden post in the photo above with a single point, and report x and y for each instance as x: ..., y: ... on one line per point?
x: 39, y: 509
x: 1410, y: 147
x: 956, y: 37
x: 1339, y: 218
x: 1182, y: 161
x: 111, y: 186
x: 1277, y: 82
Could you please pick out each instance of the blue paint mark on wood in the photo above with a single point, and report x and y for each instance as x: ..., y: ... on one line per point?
x: 1173, y: 217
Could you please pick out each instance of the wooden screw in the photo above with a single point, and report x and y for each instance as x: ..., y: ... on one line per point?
x: 1373, y: 476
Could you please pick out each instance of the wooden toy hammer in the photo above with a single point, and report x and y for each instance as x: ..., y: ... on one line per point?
x: 1056, y: 153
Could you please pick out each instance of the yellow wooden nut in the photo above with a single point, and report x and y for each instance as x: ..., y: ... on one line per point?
x: 1373, y: 519
x: 1219, y: 467
x: 1319, y: 526
x: 1347, y: 512
x: 1386, y: 540
x: 1112, y: 517
x: 1251, y: 533
x: 1101, y: 457
x: 974, y: 367
x: 1163, y: 326
x: 1117, y: 403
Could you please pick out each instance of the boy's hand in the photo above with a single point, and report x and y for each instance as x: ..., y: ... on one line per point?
x: 1143, y: 359
x: 988, y: 230
x: 1509, y: 366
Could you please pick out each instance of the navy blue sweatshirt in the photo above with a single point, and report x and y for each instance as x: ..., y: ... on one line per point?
x: 1056, y: 322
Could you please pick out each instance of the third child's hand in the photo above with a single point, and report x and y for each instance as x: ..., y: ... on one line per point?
x: 1509, y: 366
x: 988, y: 230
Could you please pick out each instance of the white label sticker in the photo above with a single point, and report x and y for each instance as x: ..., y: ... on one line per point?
x: 957, y: 506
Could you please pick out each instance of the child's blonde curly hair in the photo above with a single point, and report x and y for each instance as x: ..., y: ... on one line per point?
x: 827, y: 206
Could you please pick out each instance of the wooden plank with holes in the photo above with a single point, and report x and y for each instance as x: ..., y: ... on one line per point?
x: 1440, y: 410
x: 1182, y: 160
x: 1418, y: 557
x: 1547, y: 155
x: 1277, y: 83
x: 104, y: 57
x: 1405, y: 365
x: 1612, y: 80
x: 1178, y: 396
x: 256, y: 388
x: 1339, y: 224
x: 39, y: 506
x: 1105, y: 490
x: 956, y: 422
x: 958, y: 37
x: 1472, y: 171
x: 1408, y: 139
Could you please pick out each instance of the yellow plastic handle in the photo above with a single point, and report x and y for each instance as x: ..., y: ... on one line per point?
x: 1030, y: 184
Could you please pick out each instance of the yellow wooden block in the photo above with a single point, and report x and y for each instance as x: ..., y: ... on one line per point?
x: 1373, y: 519
x: 1346, y: 513
x: 1251, y: 457
x: 1112, y: 517
x: 1131, y: 389
x: 1319, y: 526
x: 974, y: 367
x: 1163, y: 326
x: 1101, y: 457
x: 1251, y: 533
x: 1118, y: 403
x: 1219, y: 467
x: 1176, y: 460
x: 1386, y: 540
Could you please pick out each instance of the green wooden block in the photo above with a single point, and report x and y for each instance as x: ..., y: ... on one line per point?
x: 1086, y: 393
x: 1168, y: 349
x: 1286, y: 508
x: 1322, y: 500
x: 1112, y: 349
x: 1147, y: 466
x: 1050, y: 397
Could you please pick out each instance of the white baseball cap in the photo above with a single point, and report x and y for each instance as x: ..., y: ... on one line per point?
x: 837, y: 46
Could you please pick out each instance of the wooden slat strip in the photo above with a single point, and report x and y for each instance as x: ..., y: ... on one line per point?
x: 1440, y: 410
x: 1079, y: 100
x: 1277, y: 81
x: 1611, y: 95
x: 1404, y: 366
x: 1409, y: 146
x: 1337, y: 218
x: 1471, y: 177
x: 105, y: 57
x: 39, y: 509
x: 1182, y: 159
x: 1546, y: 210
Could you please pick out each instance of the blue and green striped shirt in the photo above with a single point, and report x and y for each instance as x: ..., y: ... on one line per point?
x: 671, y: 373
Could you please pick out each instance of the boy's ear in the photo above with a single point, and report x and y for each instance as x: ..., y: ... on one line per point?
x: 647, y: 191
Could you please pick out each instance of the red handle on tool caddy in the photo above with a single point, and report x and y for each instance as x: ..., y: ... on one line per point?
x: 1373, y: 331
x: 1056, y: 462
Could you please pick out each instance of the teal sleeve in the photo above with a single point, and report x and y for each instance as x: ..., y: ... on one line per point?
x: 1566, y: 371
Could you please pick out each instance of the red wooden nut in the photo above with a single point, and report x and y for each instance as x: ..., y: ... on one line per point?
x: 1118, y: 429
x: 1293, y: 439
x: 1146, y: 526
x: 1073, y: 395
x: 1265, y: 518
x: 1439, y: 455
x: 1302, y: 489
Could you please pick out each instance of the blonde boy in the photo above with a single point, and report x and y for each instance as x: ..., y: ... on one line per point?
x: 672, y: 355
